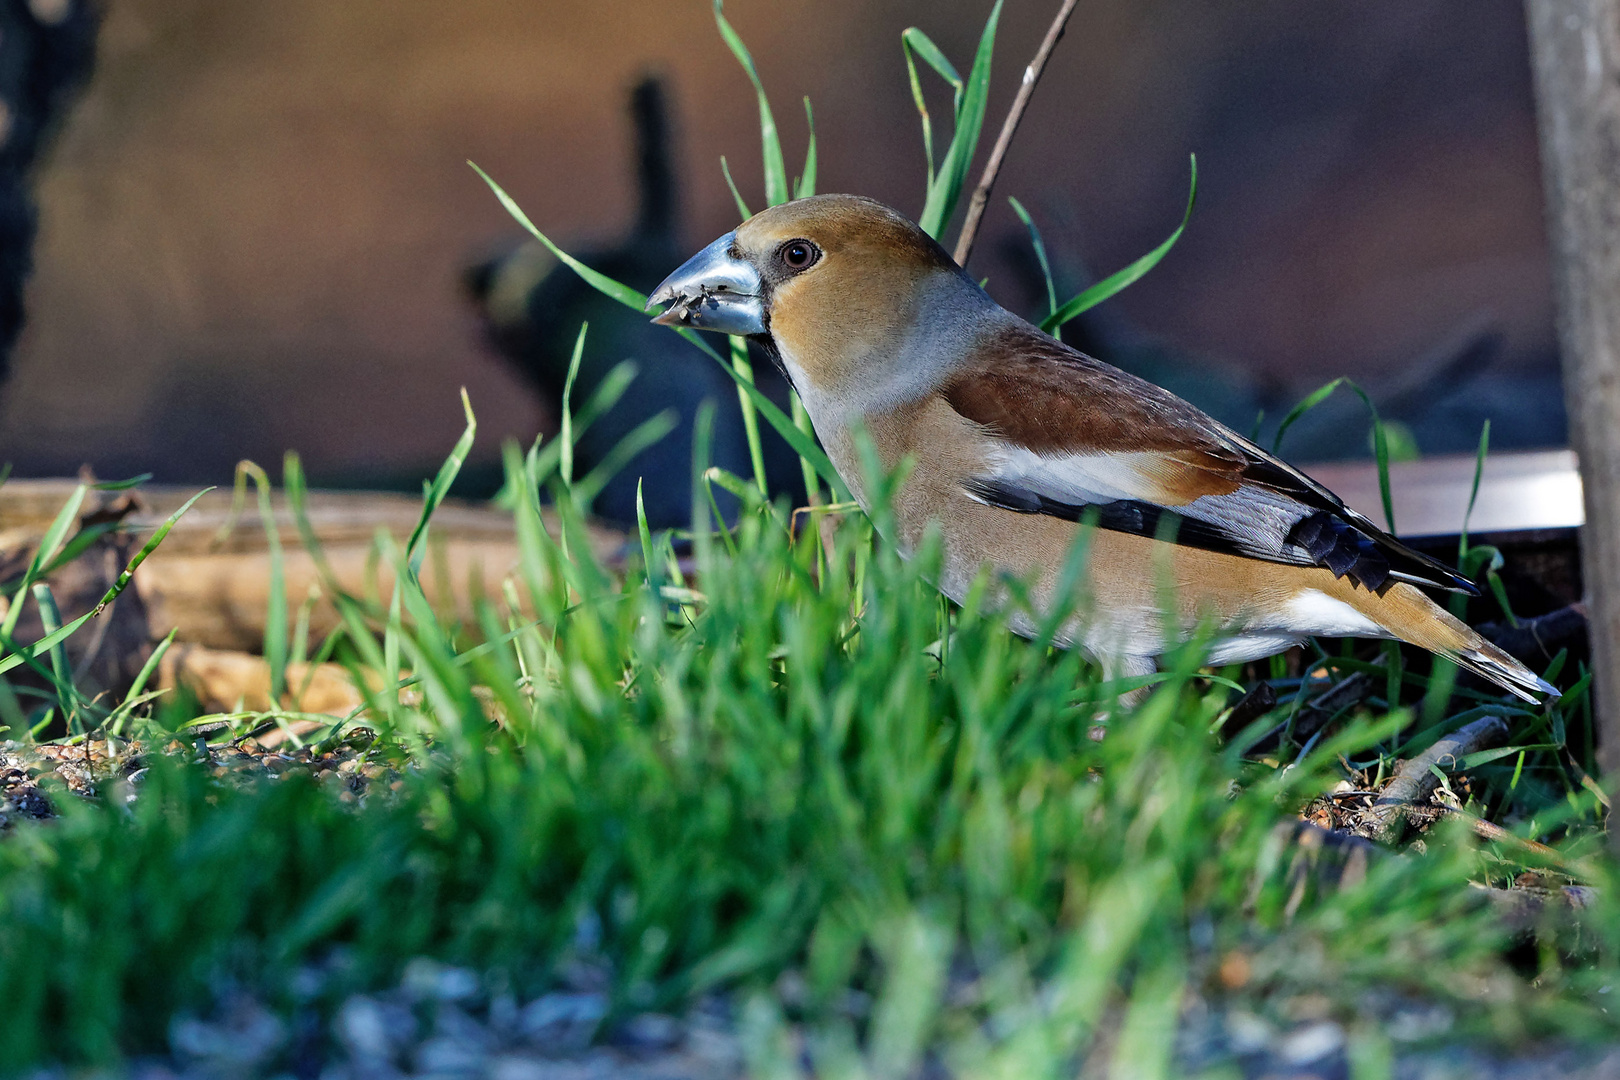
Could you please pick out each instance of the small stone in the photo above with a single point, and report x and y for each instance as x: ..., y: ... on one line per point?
x: 513, y: 1067
x: 562, y: 1022
x: 244, y: 1036
x: 367, y: 1031
x: 1419, y: 1023
x: 450, y: 1057
x: 650, y: 1031
x: 1247, y: 1033
x: 1311, y: 1043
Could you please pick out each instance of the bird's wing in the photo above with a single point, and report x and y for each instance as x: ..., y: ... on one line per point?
x: 1078, y: 439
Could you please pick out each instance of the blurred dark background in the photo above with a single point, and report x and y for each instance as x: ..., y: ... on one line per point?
x: 256, y: 223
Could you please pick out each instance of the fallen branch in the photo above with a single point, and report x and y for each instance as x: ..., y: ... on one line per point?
x: 1536, y: 641
x: 1015, y: 115
x: 1414, y: 781
x: 1260, y: 700
x: 1316, y: 714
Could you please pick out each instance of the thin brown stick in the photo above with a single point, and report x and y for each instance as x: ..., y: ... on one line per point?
x: 981, y: 194
x: 1414, y: 782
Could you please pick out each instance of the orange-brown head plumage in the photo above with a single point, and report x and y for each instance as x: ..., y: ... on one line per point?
x: 872, y: 273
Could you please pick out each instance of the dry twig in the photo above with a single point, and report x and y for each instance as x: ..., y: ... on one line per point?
x: 1032, y: 73
x: 1414, y: 781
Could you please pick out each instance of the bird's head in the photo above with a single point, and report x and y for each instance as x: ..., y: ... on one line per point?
x: 838, y: 284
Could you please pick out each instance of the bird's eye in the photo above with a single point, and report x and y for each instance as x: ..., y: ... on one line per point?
x: 798, y: 254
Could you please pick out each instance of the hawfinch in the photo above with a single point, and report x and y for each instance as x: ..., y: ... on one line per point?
x: 1017, y: 439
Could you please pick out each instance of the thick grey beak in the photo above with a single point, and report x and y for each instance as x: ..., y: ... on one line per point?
x: 713, y: 290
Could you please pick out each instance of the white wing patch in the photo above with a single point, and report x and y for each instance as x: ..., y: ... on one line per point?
x: 1257, y: 519
x: 1313, y: 612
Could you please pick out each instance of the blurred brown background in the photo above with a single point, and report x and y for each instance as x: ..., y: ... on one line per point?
x: 255, y: 221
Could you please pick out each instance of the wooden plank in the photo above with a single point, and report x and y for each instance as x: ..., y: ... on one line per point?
x: 214, y: 586
x: 1523, y: 491
x: 1575, y: 49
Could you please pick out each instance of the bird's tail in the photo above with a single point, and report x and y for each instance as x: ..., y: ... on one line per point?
x: 1411, y: 616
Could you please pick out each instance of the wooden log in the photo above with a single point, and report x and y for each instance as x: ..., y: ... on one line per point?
x: 209, y: 580
x: 1415, y: 781
x: 1575, y: 49
x: 226, y: 681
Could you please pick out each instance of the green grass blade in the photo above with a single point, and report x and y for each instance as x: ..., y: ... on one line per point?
x: 120, y: 715
x: 915, y: 43
x: 644, y: 533
x: 296, y: 489
x: 946, y: 189
x: 441, y: 484
x: 1306, y: 404
x: 565, y: 463
x: 803, y: 444
x: 275, y: 620
x: 601, y: 282
x: 1473, y: 491
x: 1380, y: 455
x: 44, y: 644
x: 807, y: 469
x: 750, y: 418
x: 776, y: 184
x: 806, y: 185
x: 1040, y: 255
x: 50, y: 620
x: 48, y: 545
x: 122, y: 485
x: 643, y: 435
x: 742, y: 207
x: 1119, y: 280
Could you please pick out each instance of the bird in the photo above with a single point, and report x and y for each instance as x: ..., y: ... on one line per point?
x: 1017, y: 443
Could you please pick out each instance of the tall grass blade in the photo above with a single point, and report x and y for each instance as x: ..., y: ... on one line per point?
x: 275, y: 619
x: 565, y: 463
x: 644, y: 534
x: 120, y: 715
x: 441, y: 484
x: 43, y: 556
x: 803, y: 444
x: 776, y: 183
x: 1306, y: 404
x: 1380, y: 455
x: 807, y: 468
x: 914, y: 42
x: 1120, y: 279
x: 750, y: 418
x: 50, y: 620
x: 806, y: 184
x: 1040, y: 256
x: 44, y: 644
x: 946, y: 189
x: 742, y: 207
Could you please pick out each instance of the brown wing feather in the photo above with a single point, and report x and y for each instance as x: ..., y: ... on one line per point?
x: 1040, y: 394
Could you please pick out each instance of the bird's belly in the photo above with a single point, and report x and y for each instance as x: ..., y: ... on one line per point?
x: 1135, y: 596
